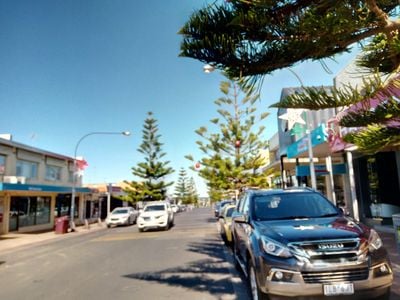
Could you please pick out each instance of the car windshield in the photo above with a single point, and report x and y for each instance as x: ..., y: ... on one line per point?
x: 120, y: 211
x: 292, y: 206
x: 154, y: 207
x: 229, y: 211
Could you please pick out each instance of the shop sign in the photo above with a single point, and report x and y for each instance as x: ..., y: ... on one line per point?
x: 318, y: 136
x: 321, y: 170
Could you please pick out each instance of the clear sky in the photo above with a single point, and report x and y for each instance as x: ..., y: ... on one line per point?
x: 68, y: 68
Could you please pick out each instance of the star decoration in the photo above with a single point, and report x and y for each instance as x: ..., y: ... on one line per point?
x: 293, y: 116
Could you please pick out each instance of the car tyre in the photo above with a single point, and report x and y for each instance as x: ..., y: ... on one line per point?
x: 235, y: 259
x: 108, y: 225
x: 141, y: 229
x: 256, y: 293
x: 385, y: 296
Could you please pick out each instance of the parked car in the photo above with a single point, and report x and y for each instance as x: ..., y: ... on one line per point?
x: 225, y: 221
x: 122, y: 216
x: 295, y: 242
x: 175, y: 208
x: 155, y: 215
x: 220, y: 205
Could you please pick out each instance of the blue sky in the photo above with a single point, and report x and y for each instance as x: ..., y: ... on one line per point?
x: 68, y: 68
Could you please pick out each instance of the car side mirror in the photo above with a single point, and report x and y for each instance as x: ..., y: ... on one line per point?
x: 240, y: 218
x: 344, y: 211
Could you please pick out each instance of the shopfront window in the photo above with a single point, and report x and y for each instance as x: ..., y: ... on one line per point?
x: 27, y: 169
x: 1, y: 214
x: 2, y: 164
x: 373, y: 179
x: 53, y: 173
x: 43, y: 210
x: 29, y: 211
x: 63, y: 206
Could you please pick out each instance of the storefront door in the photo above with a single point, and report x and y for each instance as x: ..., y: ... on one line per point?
x: 14, y: 212
x: 1, y: 214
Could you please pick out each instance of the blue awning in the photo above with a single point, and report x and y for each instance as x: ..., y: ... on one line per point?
x: 41, y: 188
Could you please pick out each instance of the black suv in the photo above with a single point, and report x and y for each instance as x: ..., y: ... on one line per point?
x: 296, y: 243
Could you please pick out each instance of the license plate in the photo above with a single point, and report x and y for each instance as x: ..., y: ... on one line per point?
x: 338, y: 289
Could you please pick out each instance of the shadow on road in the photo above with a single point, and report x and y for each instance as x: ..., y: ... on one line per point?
x: 212, y: 220
x: 211, y: 274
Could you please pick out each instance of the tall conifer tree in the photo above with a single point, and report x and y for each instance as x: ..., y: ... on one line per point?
x: 181, y: 187
x: 233, y: 153
x: 153, y: 170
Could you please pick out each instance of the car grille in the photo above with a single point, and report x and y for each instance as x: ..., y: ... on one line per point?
x: 332, y: 255
x: 330, y: 251
x: 335, y: 276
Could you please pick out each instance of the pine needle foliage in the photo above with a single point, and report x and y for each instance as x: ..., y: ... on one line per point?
x: 249, y: 39
x: 153, y: 170
x: 375, y: 138
x: 232, y: 151
x: 253, y: 38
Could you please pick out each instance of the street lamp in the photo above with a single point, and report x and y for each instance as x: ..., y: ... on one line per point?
x: 71, y: 222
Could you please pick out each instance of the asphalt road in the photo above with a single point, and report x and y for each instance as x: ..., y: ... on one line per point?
x: 187, y: 262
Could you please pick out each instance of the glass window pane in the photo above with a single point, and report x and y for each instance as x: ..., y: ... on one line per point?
x: 2, y: 164
x: 53, y: 173
x: 43, y: 210
x: 27, y: 169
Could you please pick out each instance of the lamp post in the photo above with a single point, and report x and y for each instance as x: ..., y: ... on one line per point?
x: 309, y: 136
x: 72, y: 213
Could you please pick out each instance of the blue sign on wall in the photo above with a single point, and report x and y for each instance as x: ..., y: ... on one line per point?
x: 318, y: 136
x: 321, y: 170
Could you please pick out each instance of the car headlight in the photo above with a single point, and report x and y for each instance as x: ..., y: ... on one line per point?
x: 161, y: 216
x: 274, y: 248
x: 374, y: 241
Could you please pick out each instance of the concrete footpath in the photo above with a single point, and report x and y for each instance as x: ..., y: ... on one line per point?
x: 14, y: 241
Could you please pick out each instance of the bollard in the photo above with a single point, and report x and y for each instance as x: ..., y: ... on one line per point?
x: 87, y: 225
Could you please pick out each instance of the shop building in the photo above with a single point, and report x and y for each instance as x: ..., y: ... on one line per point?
x: 296, y: 137
x: 35, y: 188
x: 366, y: 185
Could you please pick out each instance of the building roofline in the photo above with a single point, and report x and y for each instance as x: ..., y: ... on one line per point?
x: 33, y: 149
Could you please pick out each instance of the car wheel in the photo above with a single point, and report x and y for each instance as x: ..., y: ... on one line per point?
x: 385, y: 296
x: 166, y: 227
x: 141, y: 229
x: 256, y: 293
x: 108, y: 225
x: 236, y: 258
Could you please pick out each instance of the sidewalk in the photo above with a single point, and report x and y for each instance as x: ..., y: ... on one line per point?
x: 13, y: 241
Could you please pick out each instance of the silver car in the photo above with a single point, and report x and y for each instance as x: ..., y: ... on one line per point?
x: 122, y: 216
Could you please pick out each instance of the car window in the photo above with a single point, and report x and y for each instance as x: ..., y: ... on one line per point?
x: 246, y: 206
x: 229, y: 211
x: 155, y: 207
x: 241, y: 204
x: 292, y: 206
x: 120, y: 211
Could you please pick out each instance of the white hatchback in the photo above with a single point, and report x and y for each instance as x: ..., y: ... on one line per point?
x: 122, y: 216
x: 156, y: 215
